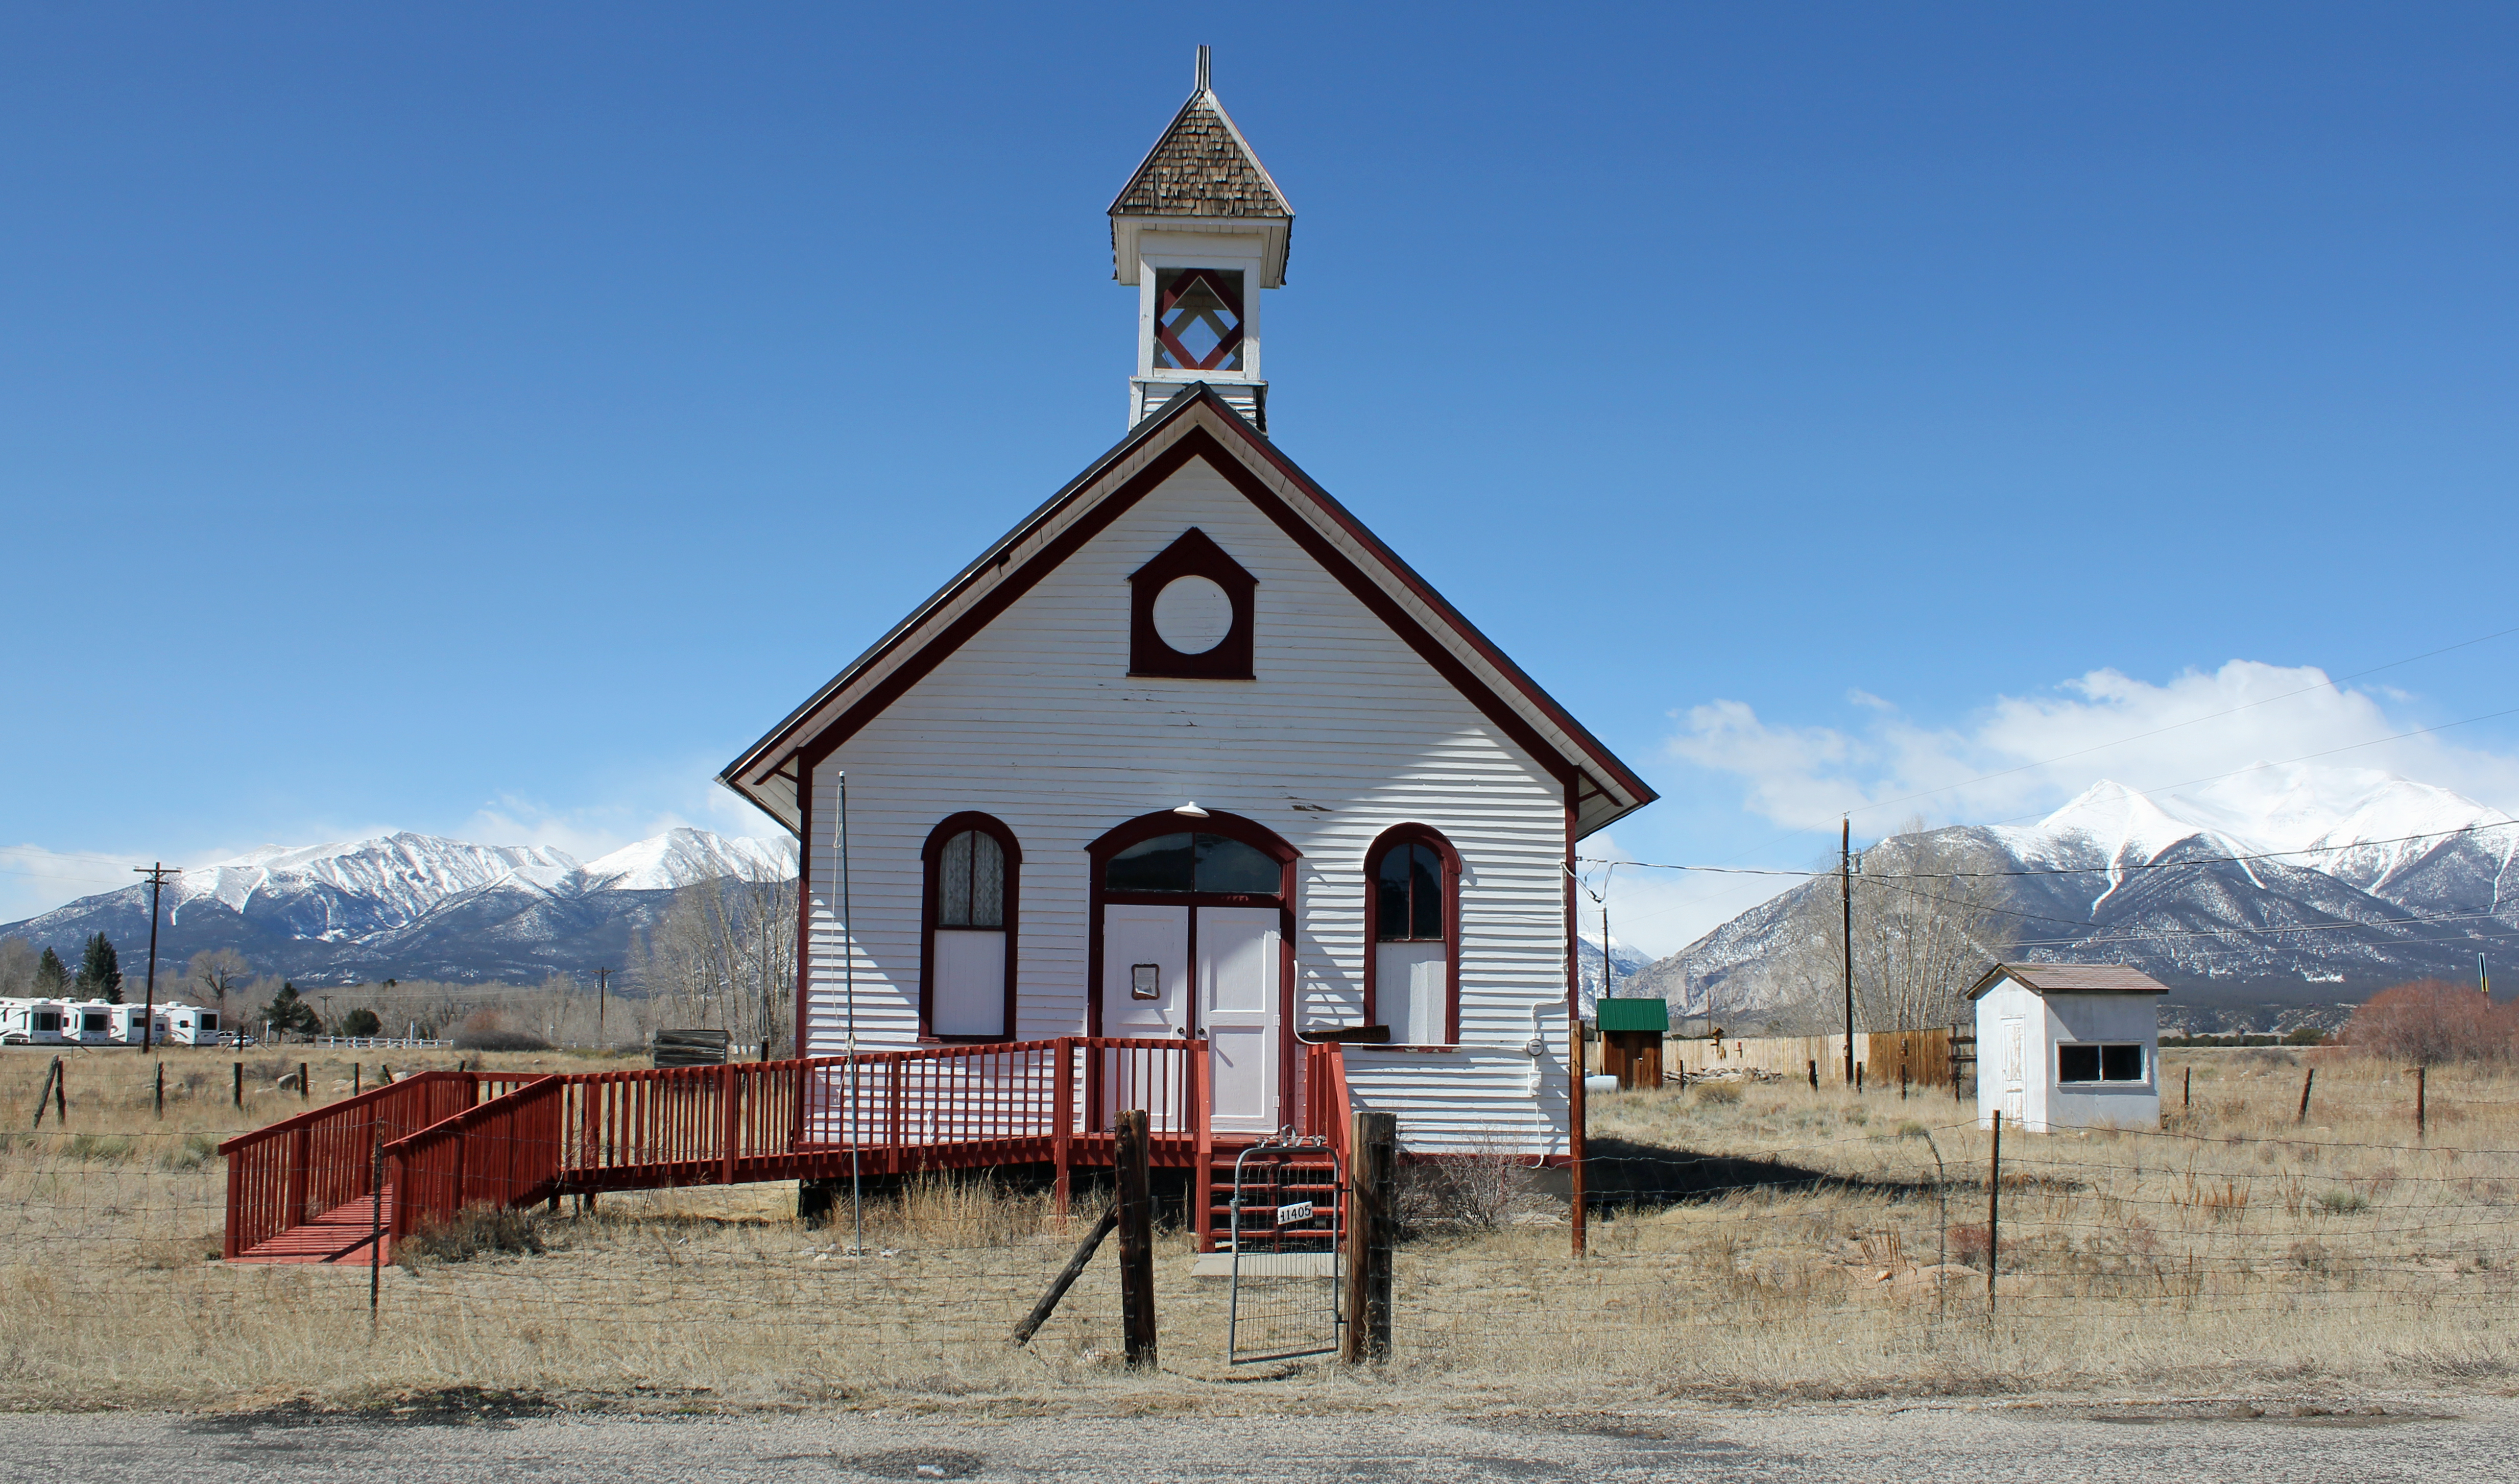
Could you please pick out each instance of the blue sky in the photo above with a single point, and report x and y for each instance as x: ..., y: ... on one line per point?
x: 485, y: 421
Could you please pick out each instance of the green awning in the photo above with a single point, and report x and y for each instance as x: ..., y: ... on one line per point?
x: 1634, y: 1015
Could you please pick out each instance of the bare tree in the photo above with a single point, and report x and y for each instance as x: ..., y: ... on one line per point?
x: 16, y: 968
x: 723, y: 955
x: 217, y: 970
x: 1929, y: 922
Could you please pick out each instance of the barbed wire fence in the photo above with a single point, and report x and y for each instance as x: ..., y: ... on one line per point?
x: 1809, y: 1260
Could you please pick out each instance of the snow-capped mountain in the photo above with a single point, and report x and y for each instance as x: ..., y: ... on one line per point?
x: 1626, y: 961
x: 2283, y: 884
x: 414, y: 907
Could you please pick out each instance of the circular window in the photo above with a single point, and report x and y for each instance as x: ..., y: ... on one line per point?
x: 1192, y: 615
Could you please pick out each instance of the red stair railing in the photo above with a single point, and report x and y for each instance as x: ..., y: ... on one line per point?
x: 293, y: 1171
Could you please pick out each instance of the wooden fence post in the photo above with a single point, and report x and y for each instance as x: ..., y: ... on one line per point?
x: 1994, y: 1213
x: 2421, y: 1075
x: 162, y: 1089
x: 1136, y: 1242
x: 239, y: 1084
x: 44, y: 1093
x: 1063, y: 1120
x: 2186, y: 1089
x: 305, y: 1093
x: 1814, y: 1076
x: 1372, y: 1175
x: 2306, y: 1083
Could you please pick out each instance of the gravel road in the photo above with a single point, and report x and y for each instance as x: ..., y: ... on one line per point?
x: 2467, y: 1438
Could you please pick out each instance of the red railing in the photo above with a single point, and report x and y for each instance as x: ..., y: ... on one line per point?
x: 455, y: 1139
x: 505, y: 1152
x: 1326, y: 1104
x: 298, y: 1168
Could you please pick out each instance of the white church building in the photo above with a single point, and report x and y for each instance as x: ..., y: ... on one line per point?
x: 1190, y: 754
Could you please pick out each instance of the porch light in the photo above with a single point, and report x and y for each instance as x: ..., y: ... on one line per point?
x: 1191, y: 809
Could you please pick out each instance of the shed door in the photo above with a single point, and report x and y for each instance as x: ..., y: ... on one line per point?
x: 2015, y: 1069
x: 1237, y: 1004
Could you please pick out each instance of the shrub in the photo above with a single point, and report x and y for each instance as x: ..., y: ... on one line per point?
x: 1716, y: 1094
x: 362, y: 1023
x: 489, y: 1030
x: 476, y: 1230
x: 2342, y: 1202
x: 2430, y: 1021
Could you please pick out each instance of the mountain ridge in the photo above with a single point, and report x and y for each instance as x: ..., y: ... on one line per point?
x: 2298, y: 882
x: 408, y: 906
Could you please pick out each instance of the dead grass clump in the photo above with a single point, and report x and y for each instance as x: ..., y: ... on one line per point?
x: 1473, y: 1192
x: 489, y: 1030
x: 478, y: 1230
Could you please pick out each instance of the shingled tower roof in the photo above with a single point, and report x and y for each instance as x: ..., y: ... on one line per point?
x: 1201, y: 167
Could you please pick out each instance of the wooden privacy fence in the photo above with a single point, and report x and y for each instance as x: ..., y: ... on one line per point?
x: 295, y: 1170
x: 1924, y: 1054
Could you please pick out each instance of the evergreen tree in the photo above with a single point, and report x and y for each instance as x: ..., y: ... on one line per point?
x: 290, y: 1014
x: 362, y: 1023
x: 99, y: 975
x: 52, y: 975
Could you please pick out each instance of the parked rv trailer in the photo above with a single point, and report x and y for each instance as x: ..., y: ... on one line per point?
x: 187, y: 1025
x: 35, y: 1022
x: 92, y: 1023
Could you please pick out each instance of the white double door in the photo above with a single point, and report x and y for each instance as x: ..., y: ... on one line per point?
x: 1168, y: 972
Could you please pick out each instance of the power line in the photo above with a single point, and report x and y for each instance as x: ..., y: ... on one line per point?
x: 2156, y: 865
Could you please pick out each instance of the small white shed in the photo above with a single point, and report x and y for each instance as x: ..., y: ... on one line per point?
x: 2068, y: 1046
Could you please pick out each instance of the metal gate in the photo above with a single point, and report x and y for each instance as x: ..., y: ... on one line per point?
x: 1288, y: 1199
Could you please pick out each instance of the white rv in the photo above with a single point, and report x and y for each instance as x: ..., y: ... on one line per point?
x: 187, y: 1025
x: 35, y: 1022
x: 92, y: 1023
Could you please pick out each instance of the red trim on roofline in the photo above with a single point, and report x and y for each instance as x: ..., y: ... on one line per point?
x: 1198, y: 442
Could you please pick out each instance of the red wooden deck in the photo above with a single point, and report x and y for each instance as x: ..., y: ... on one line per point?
x: 298, y: 1190
x: 340, y: 1235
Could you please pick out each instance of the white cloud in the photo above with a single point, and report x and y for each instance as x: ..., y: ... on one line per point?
x: 2021, y: 755
x: 1662, y: 911
x: 35, y: 880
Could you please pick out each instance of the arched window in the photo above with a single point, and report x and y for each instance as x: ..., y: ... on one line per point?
x: 1412, y: 970
x: 967, y: 992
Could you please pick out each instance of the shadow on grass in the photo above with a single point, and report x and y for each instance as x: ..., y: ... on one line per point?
x: 1622, y: 1172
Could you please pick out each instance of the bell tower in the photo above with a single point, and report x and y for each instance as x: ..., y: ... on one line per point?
x: 1200, y: 230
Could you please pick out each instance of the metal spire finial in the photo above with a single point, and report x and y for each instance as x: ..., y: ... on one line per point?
x: 1202, y: 70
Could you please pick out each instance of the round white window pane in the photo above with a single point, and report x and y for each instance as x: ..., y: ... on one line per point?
x: 1192, y: 615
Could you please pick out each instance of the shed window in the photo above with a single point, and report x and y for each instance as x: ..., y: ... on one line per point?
x: 2091, y: 1062
x: 972, y: 866
x: 1408, y: 896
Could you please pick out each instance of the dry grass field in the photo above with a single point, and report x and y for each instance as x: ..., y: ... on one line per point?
x: 1768, y: 1241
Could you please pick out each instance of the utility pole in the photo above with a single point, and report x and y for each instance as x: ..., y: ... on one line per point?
x: 156, y: 874
x: 599, y: 975
x: 1606, y: 988
x: 1846, y: 893
x: 325, y: 1001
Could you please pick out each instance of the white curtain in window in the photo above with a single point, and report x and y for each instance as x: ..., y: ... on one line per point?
x: 1411, y: 981
x: 970, y: 982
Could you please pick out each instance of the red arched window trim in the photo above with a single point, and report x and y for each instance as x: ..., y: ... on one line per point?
x: 1433, y: 839
x: 1249, y: 832
x: 930, y: 856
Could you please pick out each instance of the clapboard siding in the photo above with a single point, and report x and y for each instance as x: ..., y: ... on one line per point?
x: 1344, y: 732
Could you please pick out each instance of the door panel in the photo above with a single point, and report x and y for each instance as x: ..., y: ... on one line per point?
x: 1138, y: 939
x: 1238, y: 950
x: 1140, y: 946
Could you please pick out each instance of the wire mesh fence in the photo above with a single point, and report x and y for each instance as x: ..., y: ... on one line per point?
x: 1797, y: 1255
